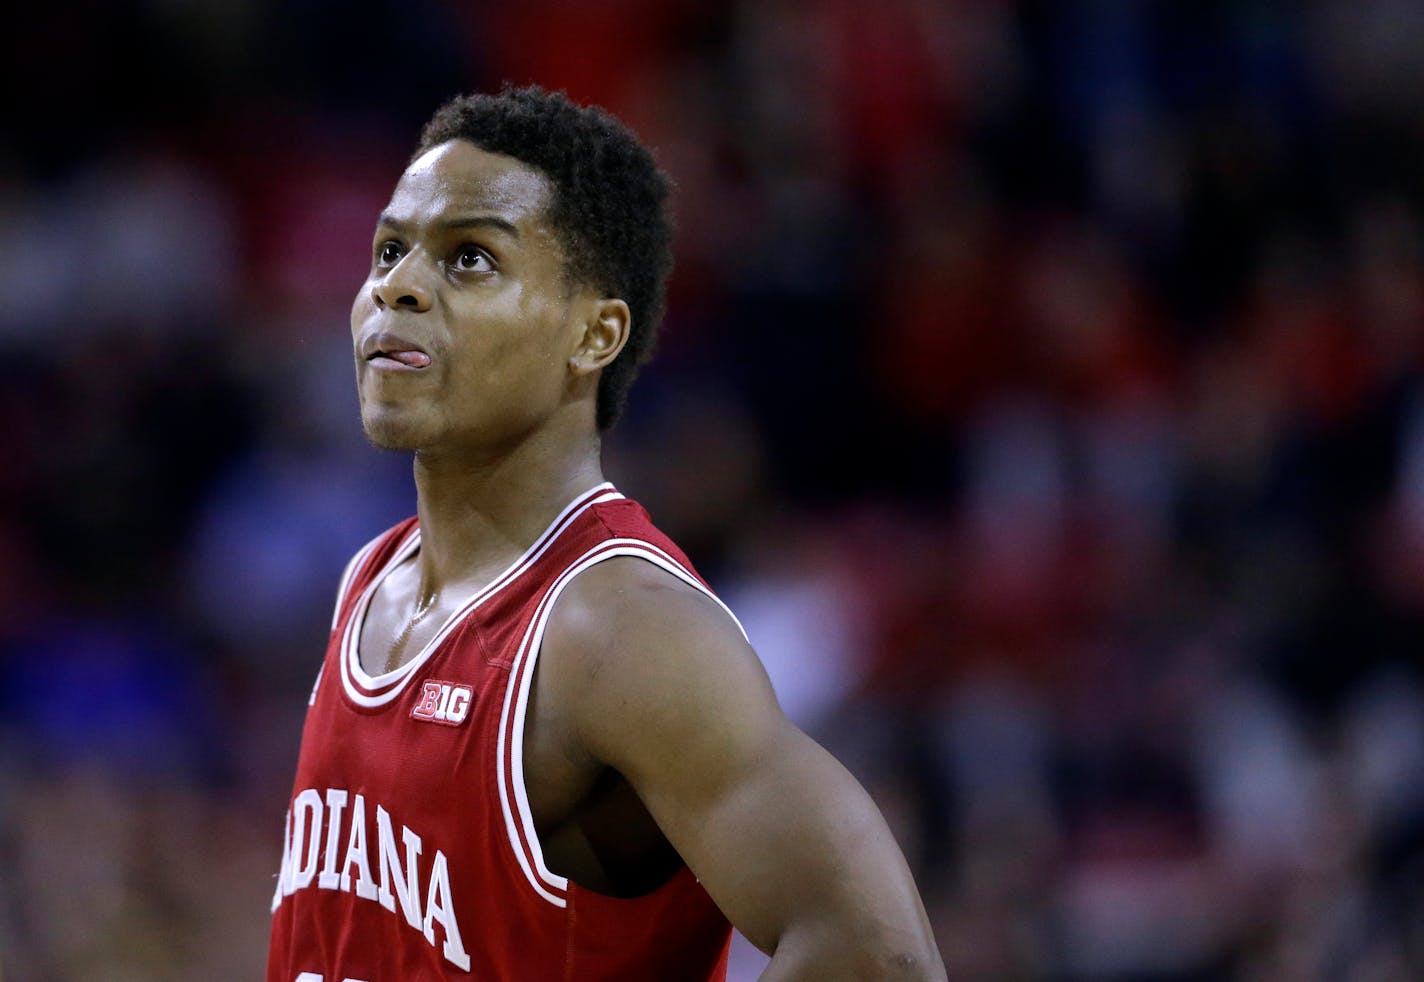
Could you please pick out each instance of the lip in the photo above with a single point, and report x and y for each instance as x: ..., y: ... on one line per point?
x: 388, y: 351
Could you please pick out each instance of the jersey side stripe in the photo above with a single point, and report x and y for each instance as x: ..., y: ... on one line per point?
x: 522, y: 835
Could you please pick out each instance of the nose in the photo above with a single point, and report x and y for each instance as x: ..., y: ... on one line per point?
x: 402, y: 288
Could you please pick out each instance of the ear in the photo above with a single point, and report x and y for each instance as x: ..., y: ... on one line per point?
x: 605, y: 332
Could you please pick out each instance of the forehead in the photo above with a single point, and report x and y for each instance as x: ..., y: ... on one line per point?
x: 460, y: 179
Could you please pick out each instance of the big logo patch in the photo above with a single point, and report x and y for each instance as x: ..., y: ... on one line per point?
x: 445, y: 703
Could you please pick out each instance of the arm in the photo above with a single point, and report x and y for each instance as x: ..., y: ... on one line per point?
x: 659, y: 684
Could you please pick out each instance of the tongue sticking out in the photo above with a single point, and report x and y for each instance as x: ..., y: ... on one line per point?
x: 415, y: 359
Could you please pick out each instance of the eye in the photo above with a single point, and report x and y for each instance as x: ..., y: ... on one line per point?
x: 473, y: 259
x: 388, y: 253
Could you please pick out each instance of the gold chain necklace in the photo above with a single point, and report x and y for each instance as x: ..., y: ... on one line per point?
x: 423, y: 606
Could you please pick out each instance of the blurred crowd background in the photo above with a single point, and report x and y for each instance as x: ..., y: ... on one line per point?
x: 1041, y: 384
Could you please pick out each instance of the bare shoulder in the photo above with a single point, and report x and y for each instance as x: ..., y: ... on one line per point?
x: 644, y: 660
x: 625, y: 614
x: 627, y: 593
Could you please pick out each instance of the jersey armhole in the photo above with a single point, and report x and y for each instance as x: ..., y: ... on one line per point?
x: 513, y: 797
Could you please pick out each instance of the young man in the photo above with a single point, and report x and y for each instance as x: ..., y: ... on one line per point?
x: 539, y: 747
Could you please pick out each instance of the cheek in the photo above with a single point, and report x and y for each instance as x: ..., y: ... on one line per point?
x: 361, y: 307
x: 513, y: 341
x: 510, y: 372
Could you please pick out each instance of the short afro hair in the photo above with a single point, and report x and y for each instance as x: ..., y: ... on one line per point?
x: 608, y: 208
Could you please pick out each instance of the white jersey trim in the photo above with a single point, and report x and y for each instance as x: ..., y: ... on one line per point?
x: 378, y: 690
x: 349, y: 573
x: 351, y: 639
x: 522, y: 836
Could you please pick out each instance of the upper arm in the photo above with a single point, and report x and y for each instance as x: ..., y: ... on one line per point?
x: 660, y: 685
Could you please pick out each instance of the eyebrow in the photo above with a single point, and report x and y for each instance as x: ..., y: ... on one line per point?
x: 389, y: 221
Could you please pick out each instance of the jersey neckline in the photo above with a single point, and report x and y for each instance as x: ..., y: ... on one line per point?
x: 372, y: 691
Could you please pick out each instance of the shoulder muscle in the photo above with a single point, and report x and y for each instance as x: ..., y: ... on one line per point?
x: 648, y: 667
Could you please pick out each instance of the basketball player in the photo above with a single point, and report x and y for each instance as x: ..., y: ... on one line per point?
x: 539, y: 747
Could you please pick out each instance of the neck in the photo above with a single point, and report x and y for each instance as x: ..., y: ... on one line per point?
x: 478, y: 512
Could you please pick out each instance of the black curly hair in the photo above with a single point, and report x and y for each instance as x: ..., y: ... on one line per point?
x: 608, y: 204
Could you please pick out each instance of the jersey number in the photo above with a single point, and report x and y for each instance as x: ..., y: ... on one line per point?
x: 314, y: 977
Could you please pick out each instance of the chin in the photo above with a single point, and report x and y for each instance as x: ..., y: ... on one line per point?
x: 390, y: 432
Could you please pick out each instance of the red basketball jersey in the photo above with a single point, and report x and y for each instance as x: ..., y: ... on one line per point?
x: 410, y: 851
